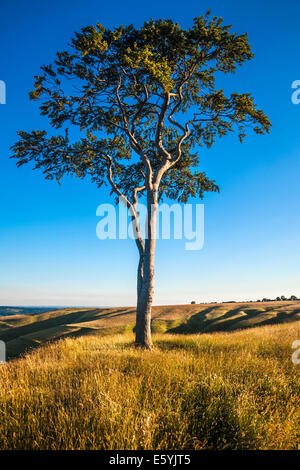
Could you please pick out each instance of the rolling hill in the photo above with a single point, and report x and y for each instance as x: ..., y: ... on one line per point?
x: 23, y: 331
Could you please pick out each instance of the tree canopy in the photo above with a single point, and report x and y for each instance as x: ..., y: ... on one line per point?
x: 144, y: 100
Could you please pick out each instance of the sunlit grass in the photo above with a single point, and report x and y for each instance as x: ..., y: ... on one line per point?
x: 215, y: 391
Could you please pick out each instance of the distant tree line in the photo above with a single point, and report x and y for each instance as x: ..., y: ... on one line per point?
x: 281, y: 298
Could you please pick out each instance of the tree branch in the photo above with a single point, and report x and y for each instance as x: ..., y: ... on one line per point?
x: 132, y: 207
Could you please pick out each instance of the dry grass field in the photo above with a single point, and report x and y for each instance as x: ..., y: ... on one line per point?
x: 212, y: 390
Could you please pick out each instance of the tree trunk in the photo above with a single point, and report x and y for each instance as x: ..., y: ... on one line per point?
x: 145, y: 281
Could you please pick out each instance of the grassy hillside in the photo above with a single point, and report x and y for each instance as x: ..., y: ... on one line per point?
x: 5, y: 311
x: 237, y: 390
x: 21, y: 332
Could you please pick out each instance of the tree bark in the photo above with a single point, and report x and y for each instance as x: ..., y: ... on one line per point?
x: 145, y: 277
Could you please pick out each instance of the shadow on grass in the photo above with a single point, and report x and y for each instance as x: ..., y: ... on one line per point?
x: 213, y: 421
x: 199, y: 323
x: 56, y: 328
x: 20, y: 339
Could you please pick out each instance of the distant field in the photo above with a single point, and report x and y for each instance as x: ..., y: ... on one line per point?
x: 234, y: 390
x: 5, y: 311
x: 21, y: 332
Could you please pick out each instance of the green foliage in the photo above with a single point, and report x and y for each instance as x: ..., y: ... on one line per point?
x: 145, y: 100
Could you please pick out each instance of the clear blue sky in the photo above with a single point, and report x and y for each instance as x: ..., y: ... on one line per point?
x: 49, y: 253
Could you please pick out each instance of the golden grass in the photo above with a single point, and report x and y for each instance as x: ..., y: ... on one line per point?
x: 235, y: 390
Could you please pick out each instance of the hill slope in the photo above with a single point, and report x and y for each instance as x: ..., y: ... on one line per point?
x: 237, y: 390
x: 5, y: 311
x: 21, y: 332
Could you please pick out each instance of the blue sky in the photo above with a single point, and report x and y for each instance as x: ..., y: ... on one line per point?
x: 49, y: 252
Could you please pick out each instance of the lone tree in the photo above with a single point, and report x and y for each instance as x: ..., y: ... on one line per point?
x: 145, y: 100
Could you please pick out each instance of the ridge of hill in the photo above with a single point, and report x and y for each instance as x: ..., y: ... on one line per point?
x: 21, y: 332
